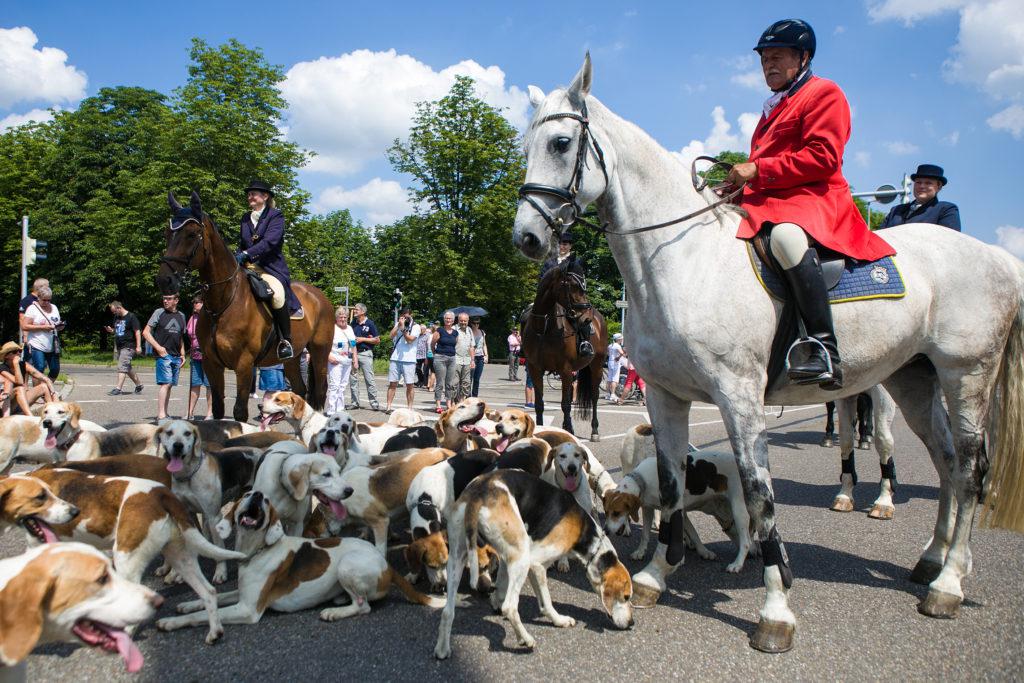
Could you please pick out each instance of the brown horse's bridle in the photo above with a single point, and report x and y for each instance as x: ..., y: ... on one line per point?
x: 570, y: 308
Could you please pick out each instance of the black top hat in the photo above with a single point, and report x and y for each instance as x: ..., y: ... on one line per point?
x: 260, y: 186
x: 566, y: 237
x: 929, y: 171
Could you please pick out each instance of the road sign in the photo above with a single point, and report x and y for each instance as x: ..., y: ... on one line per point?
x: 886, y: 194
x: 621, y: 304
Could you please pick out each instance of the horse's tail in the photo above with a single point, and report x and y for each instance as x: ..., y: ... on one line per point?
x: 1004, y: 488
x: 586, y: 392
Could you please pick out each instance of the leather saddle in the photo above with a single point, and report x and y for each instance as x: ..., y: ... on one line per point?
x: 832, y: 264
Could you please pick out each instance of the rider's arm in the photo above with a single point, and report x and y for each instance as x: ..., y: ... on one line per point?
x: 950, y: 217
x: 818, y: 153
x: 272, y: 239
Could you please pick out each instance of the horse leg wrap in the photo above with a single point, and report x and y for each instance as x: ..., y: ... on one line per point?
x: 671, y: 535
x: 774, y: 554
x: 849, y: 467
x: 889, y: 472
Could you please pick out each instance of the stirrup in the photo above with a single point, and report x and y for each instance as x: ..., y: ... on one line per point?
x: 826, y: 376
x: 585, y: 348
x: 285, y: 350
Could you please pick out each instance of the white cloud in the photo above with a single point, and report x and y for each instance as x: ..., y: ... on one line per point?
x: 862, y: 158
x: 38, y: 115
x: 1010, y: 119
x: 1011, y: 238
x: 381, y: 201
x: 350, y: 108
x: 839, y: 30
x: 951, y: 139
x: 753, y: 79
x: 902, y: 148
x: 721, y: 137
x: 28, y: 74
x: 910, y: 11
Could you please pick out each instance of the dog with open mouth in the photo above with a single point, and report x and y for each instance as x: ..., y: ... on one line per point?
x: 290, y: 477
x: 456, y: 425
x: 205, y: 480
x: 28, y: 502
x: 288, y: 573
x: 69, y: 592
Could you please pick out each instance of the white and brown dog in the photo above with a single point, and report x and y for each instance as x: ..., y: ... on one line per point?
x: 288, y: 573
x: 530, y: 524
x: 136, y: 519
x: 712, y: 486
x: 289, y: 407
x: 457, y: 423
x: 58, y: 435
x: 205, y: 480
x: 290, y: 477
x: 28, y: 502
x: 68, y: 592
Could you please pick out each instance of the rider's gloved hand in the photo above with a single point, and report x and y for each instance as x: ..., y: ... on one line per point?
x: 241, y: 257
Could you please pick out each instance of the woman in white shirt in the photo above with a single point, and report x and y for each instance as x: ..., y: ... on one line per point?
x: 614, y: 364
x: 42, y: 323
x: 341, y: 362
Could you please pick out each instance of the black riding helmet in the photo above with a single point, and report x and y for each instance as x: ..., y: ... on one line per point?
x: 794, y: 33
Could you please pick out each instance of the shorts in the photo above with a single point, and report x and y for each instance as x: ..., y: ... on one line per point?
x: 529, y: 381
x: 124, y: 358
x: 167, y: 369
x: 405, y: 369
x: 197, y: 377
x: 272, y: 379
x: 612, y: 374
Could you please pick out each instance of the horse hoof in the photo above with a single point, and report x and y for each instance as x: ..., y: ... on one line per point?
x: 773, y: 637
x: 828, y: 441
x: 864, y: 445
x: 882, y: 512
x: 925, y: 571
x: 940, y: 605
x: 645, y: 597
x: 842, y: 504
x: 595, y: 437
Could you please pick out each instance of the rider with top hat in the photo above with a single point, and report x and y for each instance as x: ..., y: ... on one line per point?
x: 926, y: 207
x: 794, y: 187
x: 262, y: 238
x: 582, y: 325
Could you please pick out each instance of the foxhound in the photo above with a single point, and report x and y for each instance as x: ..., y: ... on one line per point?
x: 28, y: 502
x: 290, y: 477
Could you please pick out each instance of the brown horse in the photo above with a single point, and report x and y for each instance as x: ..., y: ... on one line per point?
x: 234, y: 327
x: 549, y: 343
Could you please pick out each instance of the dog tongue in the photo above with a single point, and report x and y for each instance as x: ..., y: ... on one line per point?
x: 128, y: 650
x: 330, y: 450
x: 479, y: 430
x: 48, y: 534
x: 265, y: 423
x: 338, y: 508
x: 51, y: 440
x: 571, y: 482
x: 501, y: 445
x: 175, y: 464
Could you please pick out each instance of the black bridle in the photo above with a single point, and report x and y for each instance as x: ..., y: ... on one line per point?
x: 570, y: 212
x: 572, y: 311
x: 186, y: 265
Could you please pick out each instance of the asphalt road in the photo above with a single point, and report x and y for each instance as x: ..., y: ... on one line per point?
x: 856, y: 608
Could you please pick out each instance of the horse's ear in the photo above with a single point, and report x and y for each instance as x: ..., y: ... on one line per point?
x: 536, y: 95
x: 580, y: 86
x: 175, y: 206
x: 196, y: 205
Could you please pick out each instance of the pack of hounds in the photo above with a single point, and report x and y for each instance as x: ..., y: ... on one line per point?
x: 311, y: 515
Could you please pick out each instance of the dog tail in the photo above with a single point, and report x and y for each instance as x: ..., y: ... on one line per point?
x: 410, y: 592
x: 472, y: 535
x: 193, y: 538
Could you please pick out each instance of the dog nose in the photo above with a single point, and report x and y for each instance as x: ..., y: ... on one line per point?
x: 47, y: 423
x: 156, y: 600
x: 73, y: 511
x: 571, y: 469
x: 347, y: 492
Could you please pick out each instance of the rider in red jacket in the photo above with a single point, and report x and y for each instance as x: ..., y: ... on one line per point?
x: 795, y: 187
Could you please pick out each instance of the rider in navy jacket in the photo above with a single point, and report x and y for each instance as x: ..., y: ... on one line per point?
x: 926, y: 207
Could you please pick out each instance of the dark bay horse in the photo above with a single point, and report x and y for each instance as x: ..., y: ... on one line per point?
x: 233, y: 327
x: 549, y: 343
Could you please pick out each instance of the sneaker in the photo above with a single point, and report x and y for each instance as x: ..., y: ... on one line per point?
x: 115, y: 392
x: 529, y: 405
x: 356, y: 406
x: 388, y: 411
x: 374, y: 405
x: 139, y: 388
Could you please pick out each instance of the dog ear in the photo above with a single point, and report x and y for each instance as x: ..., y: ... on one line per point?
x: 76, y: 414
x: 157, y: 441
x: 634, y: 513
x: 298, y: 407
x: 414, y: 554
x: 585, y: 457
x: 274, y: 532
x: 531, y: 425
x: 197, y: 439
x: 21, y: 622
x: 296, y: 479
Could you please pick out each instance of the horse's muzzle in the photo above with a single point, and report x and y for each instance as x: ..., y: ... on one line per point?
x: 168, y: 284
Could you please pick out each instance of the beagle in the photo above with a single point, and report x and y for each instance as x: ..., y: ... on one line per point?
x: 58, y: 436
x: 262, y: 440
x: 205, y: 480
x: 137, y: 519
x: 290, y: 477
x: 372, y: 495
x: 138, y: 466
x: 430, y: 554
x: 68, y: 592
x: 637, y: 446
x: 28, y: 502
x: 458, y: 422
x: 288, y: 573
x: 220, y: 431
x: 530, y: 524
x: 338, y: 439
x: 712, y: 486
x: 416, y: 438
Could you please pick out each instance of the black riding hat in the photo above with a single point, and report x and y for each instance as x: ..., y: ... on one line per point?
x: 566, y: 237
x: 260, y: 186
x: 929, y: 171
x: 794, y: 33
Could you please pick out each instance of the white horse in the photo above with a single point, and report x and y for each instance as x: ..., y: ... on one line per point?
x: 703, y: 330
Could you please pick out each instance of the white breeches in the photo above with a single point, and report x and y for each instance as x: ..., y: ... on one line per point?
x: 338, y: 375
x: 789, y: 244
x: 275, y: 286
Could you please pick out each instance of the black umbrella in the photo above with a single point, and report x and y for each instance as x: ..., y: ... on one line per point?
x: 471, y: 311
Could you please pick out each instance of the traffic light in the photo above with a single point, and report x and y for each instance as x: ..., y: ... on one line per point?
x: 35, y: 250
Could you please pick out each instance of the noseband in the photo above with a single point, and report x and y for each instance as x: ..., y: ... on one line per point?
x: 570, y: 212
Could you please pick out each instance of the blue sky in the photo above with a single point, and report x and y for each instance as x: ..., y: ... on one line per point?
x: 936, y: 81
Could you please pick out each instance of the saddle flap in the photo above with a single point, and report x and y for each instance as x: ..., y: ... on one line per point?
x: 832, y: 272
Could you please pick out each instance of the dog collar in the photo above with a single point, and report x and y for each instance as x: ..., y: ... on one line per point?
x: 195, y: 468
x: 70, y: 441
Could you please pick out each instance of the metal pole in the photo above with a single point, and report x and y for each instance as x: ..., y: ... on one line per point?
x: 24, y: 267
x: 622, y: 318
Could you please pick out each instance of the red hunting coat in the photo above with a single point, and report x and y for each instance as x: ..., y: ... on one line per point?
x: 799, y: 155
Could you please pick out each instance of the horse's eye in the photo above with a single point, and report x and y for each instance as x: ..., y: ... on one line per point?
x: 561, y: 144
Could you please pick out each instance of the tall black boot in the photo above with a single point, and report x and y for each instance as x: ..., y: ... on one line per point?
x: 283, y: 323
x: 808, y: 287
x: 583, y: 332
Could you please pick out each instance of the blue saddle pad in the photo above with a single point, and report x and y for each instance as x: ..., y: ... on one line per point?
x: 879, y: 279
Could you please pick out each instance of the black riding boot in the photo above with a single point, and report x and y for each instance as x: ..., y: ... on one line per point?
x: 283, y: 323
x: 808, y: 286
x: 583, y: 332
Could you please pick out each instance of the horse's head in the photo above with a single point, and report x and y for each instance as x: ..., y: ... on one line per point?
x: 567, y: 285
x: 186, y: 234
x: 566, y: 169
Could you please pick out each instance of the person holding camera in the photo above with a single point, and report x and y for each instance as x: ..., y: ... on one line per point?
x: 403, y: 358
x: 42, y: 325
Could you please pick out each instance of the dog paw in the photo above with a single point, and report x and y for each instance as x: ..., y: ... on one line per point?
x: 189, y: 607
x: 529, y: 642
x: 638, y: 554
x: 562, y: 621
x: 705, y: 554
x: 462, y: 601
x: 329, y: 615
x: 165, y: 624
x: 163, y: 570
x: 563, y: 565
x: 214, y: 635
x: 443, y: 651
x: 220, y: 576
x: 735, y: 568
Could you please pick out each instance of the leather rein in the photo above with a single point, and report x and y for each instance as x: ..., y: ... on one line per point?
x: 570, y: 212
x: 569, y: 313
